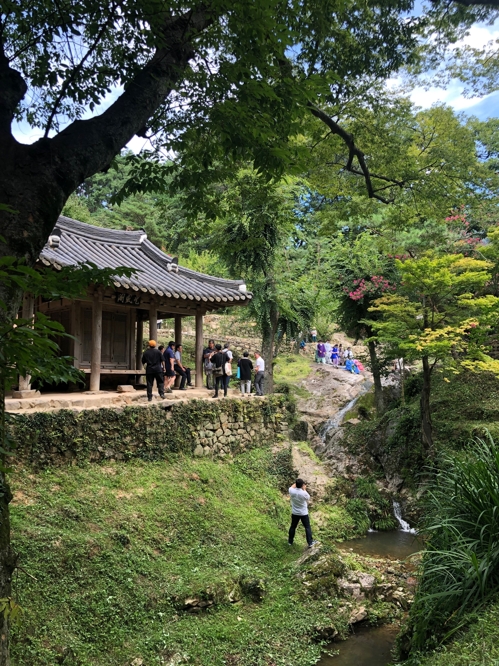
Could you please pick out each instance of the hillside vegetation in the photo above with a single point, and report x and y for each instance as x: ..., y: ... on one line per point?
x: 113, y: 552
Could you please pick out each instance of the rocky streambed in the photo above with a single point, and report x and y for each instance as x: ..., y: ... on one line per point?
x: 373, y: 575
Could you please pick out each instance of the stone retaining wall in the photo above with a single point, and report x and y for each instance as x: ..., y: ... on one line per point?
x: 198, y: 427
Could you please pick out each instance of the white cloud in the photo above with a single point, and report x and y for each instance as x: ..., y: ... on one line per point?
x: 479, y: 35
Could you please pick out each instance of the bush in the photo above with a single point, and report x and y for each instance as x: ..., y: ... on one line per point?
x: 460, y: 568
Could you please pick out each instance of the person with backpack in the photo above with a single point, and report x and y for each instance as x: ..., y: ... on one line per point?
x: 208, y: 352
x: 220, y: 361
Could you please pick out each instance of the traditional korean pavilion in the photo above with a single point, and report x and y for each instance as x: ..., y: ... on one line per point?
x: 107, y: 324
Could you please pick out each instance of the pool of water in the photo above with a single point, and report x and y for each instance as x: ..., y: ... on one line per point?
x: 394, y: 545
x: 366, y: 647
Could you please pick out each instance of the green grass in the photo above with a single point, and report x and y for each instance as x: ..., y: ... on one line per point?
x: 460, y: 567
x: 291, y: 368
x: 478, y: 646
x: 306, y: 448
x: 116, y: 549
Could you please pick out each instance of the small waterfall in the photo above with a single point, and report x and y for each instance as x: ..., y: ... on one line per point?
x: 336, y: 420
x: 403, y: 524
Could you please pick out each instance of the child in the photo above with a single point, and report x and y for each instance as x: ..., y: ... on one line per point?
x: 335, y: 355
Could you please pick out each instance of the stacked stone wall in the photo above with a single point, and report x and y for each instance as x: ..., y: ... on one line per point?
x: 197, y: 427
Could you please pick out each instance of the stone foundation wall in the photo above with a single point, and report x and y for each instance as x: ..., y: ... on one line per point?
x: 197, y: 427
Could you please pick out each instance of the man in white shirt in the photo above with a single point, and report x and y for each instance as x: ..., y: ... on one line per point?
x: 260, y: 373
x: 299, y: 511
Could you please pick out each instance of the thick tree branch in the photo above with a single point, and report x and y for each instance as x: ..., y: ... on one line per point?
x: 77, y: 69
x: 12, y: 90
x: 354, y: 152
x: 478, y: 3
x: 87, y: 146
x: 37, y: 179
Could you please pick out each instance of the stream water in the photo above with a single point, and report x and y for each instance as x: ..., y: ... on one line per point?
x: 336, y: 420
x: 365, y: 647
x: 394, y: 545
x: 371, y: 646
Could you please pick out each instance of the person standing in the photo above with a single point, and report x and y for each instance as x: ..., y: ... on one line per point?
x: 208, y: 365
x: 169, y: 359
x: 321, y: 352
x: 260, y: 373
x: 219, y: 359
x: 153, y: 360
x: 245, y: 367
x: 313, y: 333
x: 329, y: 350
x: 341, y: 354
x: 335, y: 355
x: 184, y: 372
x: 227, y: 351
x: 299, y: 511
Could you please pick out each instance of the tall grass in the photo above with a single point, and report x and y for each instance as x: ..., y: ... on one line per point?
x: 460, y: 568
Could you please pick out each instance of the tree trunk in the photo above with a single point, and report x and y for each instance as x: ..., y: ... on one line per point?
x: 376, y: 370
x: 36, y: 181
x: 426, y: 425
x: 268, y: 341
x: 7, y: 556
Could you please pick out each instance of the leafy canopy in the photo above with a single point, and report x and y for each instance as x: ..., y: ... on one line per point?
x: 437, y: 307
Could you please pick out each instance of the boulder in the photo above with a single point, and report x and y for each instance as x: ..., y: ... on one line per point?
x: 349, y: 589
x: 199, y: 451
x: 301, y: 431
x: 125, y: 388
x: 310, y: 555
x: 358, y: 615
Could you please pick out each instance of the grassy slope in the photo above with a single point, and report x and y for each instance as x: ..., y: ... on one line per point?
x: 463, y: 407
x: 478, y: 646
x: 115, y: 548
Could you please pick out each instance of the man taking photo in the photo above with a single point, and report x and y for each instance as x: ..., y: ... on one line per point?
x: 299, y: 511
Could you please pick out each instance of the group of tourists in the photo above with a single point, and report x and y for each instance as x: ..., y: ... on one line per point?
x: 334, y: 354
x: 164, y: 365
x: 218, y: 369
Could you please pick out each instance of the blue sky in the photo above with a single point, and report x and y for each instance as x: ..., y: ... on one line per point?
x: 483, y: 108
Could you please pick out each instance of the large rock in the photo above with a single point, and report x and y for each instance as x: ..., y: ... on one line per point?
x: 300, y: 432
x: 358, y: 615
x: 310, y: 554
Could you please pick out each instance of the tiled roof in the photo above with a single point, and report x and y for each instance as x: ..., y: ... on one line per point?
x: 74, y: 242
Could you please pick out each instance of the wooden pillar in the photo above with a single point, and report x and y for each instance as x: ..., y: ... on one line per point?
x: 199, y: 350
x: 178, y: 329
x: 132, y: 322
x: 139, y: 343
x: 27, y: 313
x: 76, y: 333
x: 153, y: 321
x: 95, y: 361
